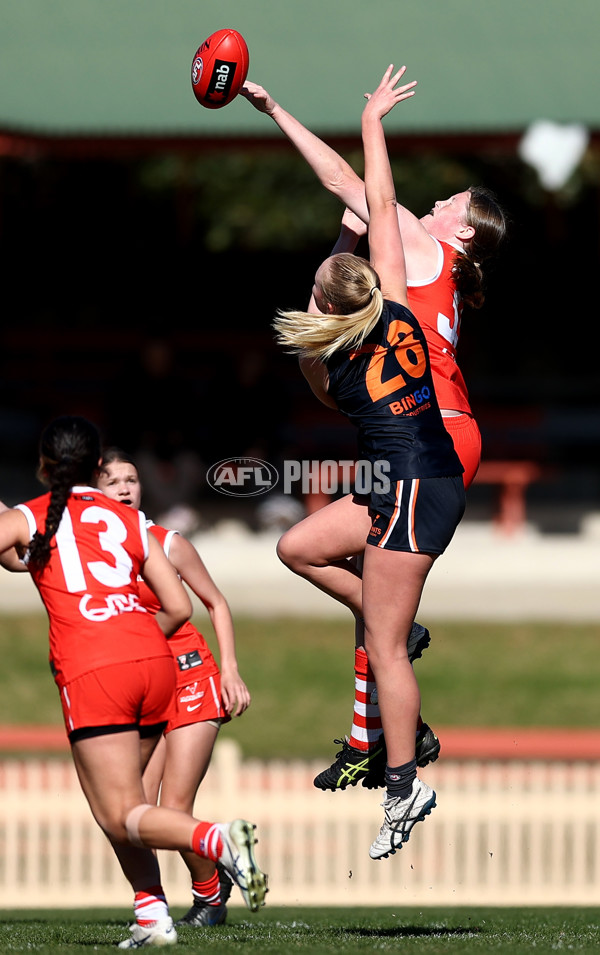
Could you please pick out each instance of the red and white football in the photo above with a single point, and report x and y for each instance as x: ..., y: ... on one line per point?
x: 219, y: 68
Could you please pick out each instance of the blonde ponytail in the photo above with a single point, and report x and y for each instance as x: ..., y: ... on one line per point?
x: 351, y: 285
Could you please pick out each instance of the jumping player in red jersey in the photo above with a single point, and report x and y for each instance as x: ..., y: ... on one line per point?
x: 365, y: 354
x: 110, y: 659
x: 444, y: 253
x: 206, y: 697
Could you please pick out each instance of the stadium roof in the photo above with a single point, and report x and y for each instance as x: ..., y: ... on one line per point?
x: 120, y: 69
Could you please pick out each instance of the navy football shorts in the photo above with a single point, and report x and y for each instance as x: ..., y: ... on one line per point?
x: 417, y: 515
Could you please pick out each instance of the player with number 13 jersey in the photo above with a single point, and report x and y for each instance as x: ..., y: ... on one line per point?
x: 90, y: 585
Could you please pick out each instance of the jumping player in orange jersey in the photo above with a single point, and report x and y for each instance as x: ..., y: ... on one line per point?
x: 364, y: 353
x: 206, y: 697
x: 444, y: 254
x: 110, y: 659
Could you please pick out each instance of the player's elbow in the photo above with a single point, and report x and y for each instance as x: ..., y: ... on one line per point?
x: 177, y: 612
x: 340, y: 180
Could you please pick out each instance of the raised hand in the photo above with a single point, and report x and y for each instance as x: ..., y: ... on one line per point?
x: 387, y: 95
x: 258, y: 96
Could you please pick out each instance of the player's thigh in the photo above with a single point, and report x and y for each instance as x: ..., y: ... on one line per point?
x: 332, y: 533
x: 109, y: 772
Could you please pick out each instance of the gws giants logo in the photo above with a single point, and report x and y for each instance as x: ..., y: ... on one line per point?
x: 242, y: 477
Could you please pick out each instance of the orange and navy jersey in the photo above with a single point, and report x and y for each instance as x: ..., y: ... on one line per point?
x: 385, y: 388
x: 187, y: 639
x: 90, y: 584
x: 438, y: 308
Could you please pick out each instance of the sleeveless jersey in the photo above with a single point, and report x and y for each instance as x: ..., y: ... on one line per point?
x: 385, y: 388
x: 89, y: 585
x: 438, y: 308
x: 187, y: 637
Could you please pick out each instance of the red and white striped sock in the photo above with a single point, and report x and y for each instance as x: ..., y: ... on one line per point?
x: 207, y: 840
x: 366, y: 719
x: 150, y: 905
x: 208, y: 892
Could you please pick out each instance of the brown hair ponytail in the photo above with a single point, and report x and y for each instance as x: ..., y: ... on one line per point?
x: 488, y: 219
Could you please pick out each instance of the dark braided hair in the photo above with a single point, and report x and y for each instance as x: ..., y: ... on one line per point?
x: 489, y: 221
x: 69, y: 454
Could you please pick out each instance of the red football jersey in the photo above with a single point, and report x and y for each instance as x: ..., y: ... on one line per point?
x: 90, y: 584
x: 438, y: 309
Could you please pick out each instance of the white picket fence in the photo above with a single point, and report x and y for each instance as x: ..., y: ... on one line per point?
x: 503, y: 833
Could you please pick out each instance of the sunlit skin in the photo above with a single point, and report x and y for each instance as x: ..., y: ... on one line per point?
x: 445, y: 222
x: 120, y: 481
x: 448, y: 216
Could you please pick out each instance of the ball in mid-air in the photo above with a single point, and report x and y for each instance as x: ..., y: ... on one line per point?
x: 219, y: 68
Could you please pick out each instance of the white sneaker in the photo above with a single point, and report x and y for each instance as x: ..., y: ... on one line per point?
x: 238, y: 859
x: 158, y: 934
x: 400, y: 816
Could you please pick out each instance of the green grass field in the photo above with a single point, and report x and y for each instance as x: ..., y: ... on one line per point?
x: 300, y: 674
x: 282, y: 931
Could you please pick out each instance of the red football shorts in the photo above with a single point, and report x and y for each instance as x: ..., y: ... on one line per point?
x: 466, y: 436
x: 198, y: 695
x: 119, y: 697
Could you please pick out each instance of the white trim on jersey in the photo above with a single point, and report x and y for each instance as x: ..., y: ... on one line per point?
x: 440, y: 263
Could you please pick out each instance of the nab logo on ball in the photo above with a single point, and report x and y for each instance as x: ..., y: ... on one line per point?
x: 220, y: 82
x: 242, y: 477
x: 219, y: 68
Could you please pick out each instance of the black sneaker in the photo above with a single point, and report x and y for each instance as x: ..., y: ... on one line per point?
x: 354, y: 765
x: 428, y: 746
x: 427, y: 750
x: 418, y: 640
x: 351, y: 765
x: 202, y: 914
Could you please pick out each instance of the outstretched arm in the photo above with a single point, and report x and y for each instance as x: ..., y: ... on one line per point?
x: 385, y: 241
x: 331, y: 169
x: 342, y: 181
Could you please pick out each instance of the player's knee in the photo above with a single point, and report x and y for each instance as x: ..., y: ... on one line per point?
x: 132, y: 824
x: 124, y: 827
x: 289, y: 550
x: 179, y: 801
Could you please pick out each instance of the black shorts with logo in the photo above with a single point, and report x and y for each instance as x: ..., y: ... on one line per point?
x: 418, y: 515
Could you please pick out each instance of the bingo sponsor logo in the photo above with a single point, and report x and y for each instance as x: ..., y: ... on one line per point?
x: 412, y: 404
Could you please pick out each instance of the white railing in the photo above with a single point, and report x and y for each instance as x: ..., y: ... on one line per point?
x: 505, y: 833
